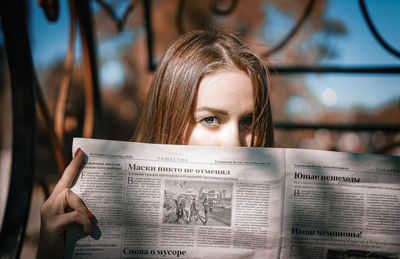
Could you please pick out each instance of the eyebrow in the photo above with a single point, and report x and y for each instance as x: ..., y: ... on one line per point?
x: 212, y: 110
x: 219, y: 111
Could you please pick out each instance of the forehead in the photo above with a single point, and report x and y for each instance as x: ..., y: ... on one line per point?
x: 226, y: 89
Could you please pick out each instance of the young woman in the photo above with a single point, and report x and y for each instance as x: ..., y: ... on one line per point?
x: 210, y: 89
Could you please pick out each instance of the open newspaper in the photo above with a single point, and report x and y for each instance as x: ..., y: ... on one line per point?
x: 170, y: 201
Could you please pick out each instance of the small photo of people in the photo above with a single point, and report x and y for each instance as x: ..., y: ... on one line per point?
x: 197, y: 203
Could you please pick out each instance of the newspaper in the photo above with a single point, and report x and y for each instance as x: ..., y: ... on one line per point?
x: 170, y: 201
x: 341, y: 205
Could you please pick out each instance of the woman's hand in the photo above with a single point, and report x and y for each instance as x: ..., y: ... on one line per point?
x: 54, y: 216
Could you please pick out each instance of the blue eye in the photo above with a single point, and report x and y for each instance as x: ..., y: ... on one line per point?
x: 210, y: 120
x: 247, y: 121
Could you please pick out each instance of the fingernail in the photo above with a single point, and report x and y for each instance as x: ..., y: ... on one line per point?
x: 77, y: 152
x: 89, y: 214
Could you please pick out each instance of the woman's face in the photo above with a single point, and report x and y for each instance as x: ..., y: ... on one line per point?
x: 224, y: 110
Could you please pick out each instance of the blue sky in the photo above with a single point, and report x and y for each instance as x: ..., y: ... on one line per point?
x: 358, y: 47
x: 50, y: 41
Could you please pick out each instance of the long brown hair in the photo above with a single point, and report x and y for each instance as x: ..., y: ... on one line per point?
x: 170, y: 106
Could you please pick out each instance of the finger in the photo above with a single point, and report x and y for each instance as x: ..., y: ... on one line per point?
x: 76, y: 217
x: 70, y: 172
x: 77, y: 204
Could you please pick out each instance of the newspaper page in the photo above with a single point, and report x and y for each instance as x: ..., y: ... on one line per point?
x: 170, y: 201
x: 341, y: 205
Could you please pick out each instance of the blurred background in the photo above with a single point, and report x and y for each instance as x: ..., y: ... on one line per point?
x: 335, y: 80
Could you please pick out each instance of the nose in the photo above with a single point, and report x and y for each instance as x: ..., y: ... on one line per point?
x: 231, y: 136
